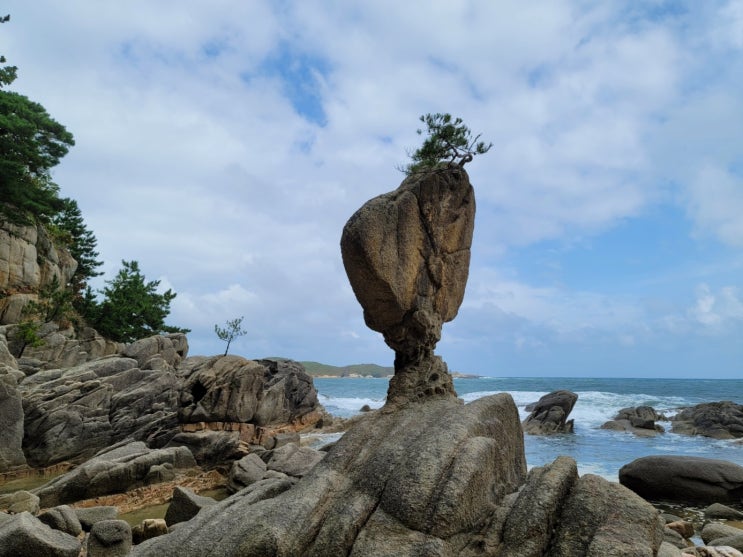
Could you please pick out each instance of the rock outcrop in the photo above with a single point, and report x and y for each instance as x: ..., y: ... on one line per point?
x: 409, y: 483
x: 151, y: 391
x: 23, y: 535
x: 684, y: 479
x: 29, y: 260
x: 11, y: 424
x: 407, y: 256
x: 549, y: 415
x: 114, y: 471
x: 720, y: 420
x: 639, y: 420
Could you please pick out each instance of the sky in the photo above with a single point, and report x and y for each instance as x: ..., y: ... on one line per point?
x: 224, y: 144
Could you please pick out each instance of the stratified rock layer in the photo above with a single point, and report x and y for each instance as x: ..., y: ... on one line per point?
x: 407, y: 256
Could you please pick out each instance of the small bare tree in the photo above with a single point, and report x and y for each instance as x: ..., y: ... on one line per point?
x: 232, y: 330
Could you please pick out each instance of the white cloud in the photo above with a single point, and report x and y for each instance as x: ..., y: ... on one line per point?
x: 715, y: 200
x: 196, y: 156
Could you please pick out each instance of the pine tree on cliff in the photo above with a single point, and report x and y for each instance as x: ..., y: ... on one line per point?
x: 132, y: 307
x: 31, y: 144
x: 449, y: 141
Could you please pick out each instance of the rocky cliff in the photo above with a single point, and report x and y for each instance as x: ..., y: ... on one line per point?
x: 147, y: 391
x: 28, y: 261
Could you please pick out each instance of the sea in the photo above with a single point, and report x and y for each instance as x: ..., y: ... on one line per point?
x: 596, y: 451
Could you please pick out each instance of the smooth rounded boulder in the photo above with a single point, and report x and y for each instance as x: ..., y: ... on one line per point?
x: 684, y: 479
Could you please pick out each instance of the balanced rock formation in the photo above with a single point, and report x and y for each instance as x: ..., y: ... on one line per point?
x: 684, y: 479
x: 407, y: 256
x: 549, y: 414
x: 720, y: 420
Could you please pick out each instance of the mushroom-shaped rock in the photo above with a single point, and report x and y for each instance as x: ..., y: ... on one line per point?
x: 407, y: 256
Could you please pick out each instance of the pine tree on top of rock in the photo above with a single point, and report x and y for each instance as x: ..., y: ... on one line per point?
x: 449, y: 141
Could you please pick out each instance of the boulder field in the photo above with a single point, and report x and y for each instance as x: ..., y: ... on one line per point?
x: 434, y: 478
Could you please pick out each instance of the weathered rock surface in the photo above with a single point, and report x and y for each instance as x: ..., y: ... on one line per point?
x: 685, y: 479
x: 233, y: 389
x: 19, y: 501
x: 411, y: 483
x: 62, y: 518
x: 110, y: 538
x: 639, y: 420
x: 149, y: 528
x: 28, y: 261
x: 715, y: 530
x: 715, y: 551
x: 720, y: 420
x: 11, y: 424
x: 115, y: 471
x: 59, y: 348
x: 150, y: 391
x: 185, y: 505
x: 246, y: 471
x: 717, y: 510
x: 549, y: 414
x: 292, y: 459
x: 407, y: 256
x: 88, y: 516
x: 25, y: 536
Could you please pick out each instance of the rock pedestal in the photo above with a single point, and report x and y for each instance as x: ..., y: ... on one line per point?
x: 407, y: 256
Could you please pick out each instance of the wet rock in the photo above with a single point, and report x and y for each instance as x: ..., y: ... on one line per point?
x: 720, y: 420
x: 639, y: 420
x: 549, y: 414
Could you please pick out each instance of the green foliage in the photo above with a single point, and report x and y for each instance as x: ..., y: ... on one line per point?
x: 231, y: 331
x: 31, y: 143
x: 448, y: 140
x: 54, y: 303
x: 70, y: 230
x: 27, y: 332
x: 132, y: 308
x: 8, y: 74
